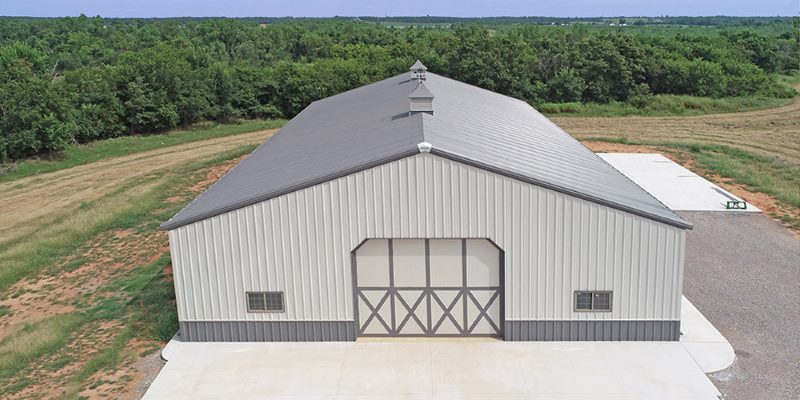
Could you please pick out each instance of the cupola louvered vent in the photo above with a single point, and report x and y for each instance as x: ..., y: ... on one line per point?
x: 421, y: 99
x: 418, y: 71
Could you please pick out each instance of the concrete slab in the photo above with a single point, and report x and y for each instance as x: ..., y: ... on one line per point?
x: 675, y: 186
x: 703, y: 341
x: 433, y: 370
x: 171, y: 347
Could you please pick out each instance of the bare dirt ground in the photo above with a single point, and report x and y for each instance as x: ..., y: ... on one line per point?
x: 35, y: 204
x: 108, y: 256
x: 30, y: 203
x: 104, y: 258
x: 773, y: 132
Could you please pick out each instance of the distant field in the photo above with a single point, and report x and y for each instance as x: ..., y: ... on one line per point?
x: 772, y: 132
x: 417, y: 24
x: 81, y: 154
x: 673, y: 105
x: 663, y: 105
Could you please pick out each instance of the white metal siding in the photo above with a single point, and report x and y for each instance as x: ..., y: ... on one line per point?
x: 301, y: 242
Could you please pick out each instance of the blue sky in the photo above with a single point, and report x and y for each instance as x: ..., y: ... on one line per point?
x: 469, y: 8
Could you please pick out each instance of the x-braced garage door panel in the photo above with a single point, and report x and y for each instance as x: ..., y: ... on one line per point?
x: 428, y: 287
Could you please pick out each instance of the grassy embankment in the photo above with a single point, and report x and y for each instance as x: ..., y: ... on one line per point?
x: 136, y: 302
x: 117, y: 147
x: 141, y: 301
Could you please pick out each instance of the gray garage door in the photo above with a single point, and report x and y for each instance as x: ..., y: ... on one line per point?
x: 428, y: 287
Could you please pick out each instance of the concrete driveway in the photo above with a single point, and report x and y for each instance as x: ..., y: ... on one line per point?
x: 743, y: 273
x: 433, y: 369
x: 672, y: 184
x: 450, y: 368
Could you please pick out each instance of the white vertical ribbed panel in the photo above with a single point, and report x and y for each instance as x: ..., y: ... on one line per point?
x: 301, y: 242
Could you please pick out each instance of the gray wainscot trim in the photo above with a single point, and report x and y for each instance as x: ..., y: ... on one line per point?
x: 268, y: 331
x: 345, y: 331
x: 609, y: 330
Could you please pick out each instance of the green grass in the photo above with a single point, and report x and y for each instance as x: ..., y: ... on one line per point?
x: 663, y: 105
x: 780, y: 93
x: 151, y: 319
x: 106, y: 359
x: 759, y: 173
x: 142, y: 299
x: 103, y: 149
x: 791, y: 81
x: 19, y: 349
x: 17, y: 386
x: 125, y: 305
x: 58, y: 363
x: 126, y: 207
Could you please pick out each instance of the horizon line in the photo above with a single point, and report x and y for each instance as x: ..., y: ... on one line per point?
x: 408, y: 16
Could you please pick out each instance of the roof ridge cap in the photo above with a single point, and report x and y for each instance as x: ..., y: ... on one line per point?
x: 422, y: 127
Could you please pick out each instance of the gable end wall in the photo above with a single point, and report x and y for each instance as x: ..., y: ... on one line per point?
x: 300, y: 243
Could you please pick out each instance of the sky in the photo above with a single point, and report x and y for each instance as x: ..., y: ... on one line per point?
x: 454, y: 8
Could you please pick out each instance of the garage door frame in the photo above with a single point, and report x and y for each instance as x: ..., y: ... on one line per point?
x: 463, y: 291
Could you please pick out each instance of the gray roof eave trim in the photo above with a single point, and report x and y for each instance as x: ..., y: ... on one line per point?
x: 169, y: 225
x: 174, y: 224
x: 678, y: 222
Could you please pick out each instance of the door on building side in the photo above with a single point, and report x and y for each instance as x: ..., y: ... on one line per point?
x: 428, y: 287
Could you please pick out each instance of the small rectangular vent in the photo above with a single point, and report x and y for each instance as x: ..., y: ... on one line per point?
x: 592, y: 301
x: 265, y: 302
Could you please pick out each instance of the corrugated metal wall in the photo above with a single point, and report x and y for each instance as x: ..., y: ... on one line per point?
x: 301, y: 242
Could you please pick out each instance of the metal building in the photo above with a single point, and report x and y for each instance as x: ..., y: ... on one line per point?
x: 423, y: 206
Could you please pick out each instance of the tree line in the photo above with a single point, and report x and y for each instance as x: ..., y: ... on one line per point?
x: 75, y: 80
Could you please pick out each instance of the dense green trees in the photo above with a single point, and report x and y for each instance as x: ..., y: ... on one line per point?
x: 35, y: 110
x: 75, y: 80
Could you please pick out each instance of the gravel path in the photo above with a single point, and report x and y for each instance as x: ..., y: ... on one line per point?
x: 147, y: 369
x: 743, y: 274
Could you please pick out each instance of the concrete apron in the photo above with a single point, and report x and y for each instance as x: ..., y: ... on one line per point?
x: 703, y: 341
x: 672, y: 184
x: 448, y: 369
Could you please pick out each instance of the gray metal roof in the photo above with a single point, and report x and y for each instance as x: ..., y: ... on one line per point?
x: 371, y: 125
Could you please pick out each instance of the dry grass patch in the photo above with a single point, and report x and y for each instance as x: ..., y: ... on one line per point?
x: 754, y: 155
x: 773, y: 132
x: 30, y: 203
x: 29, y: 255
x: 111, y: 292
x: 56, y: 212
x: 31, y: 341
